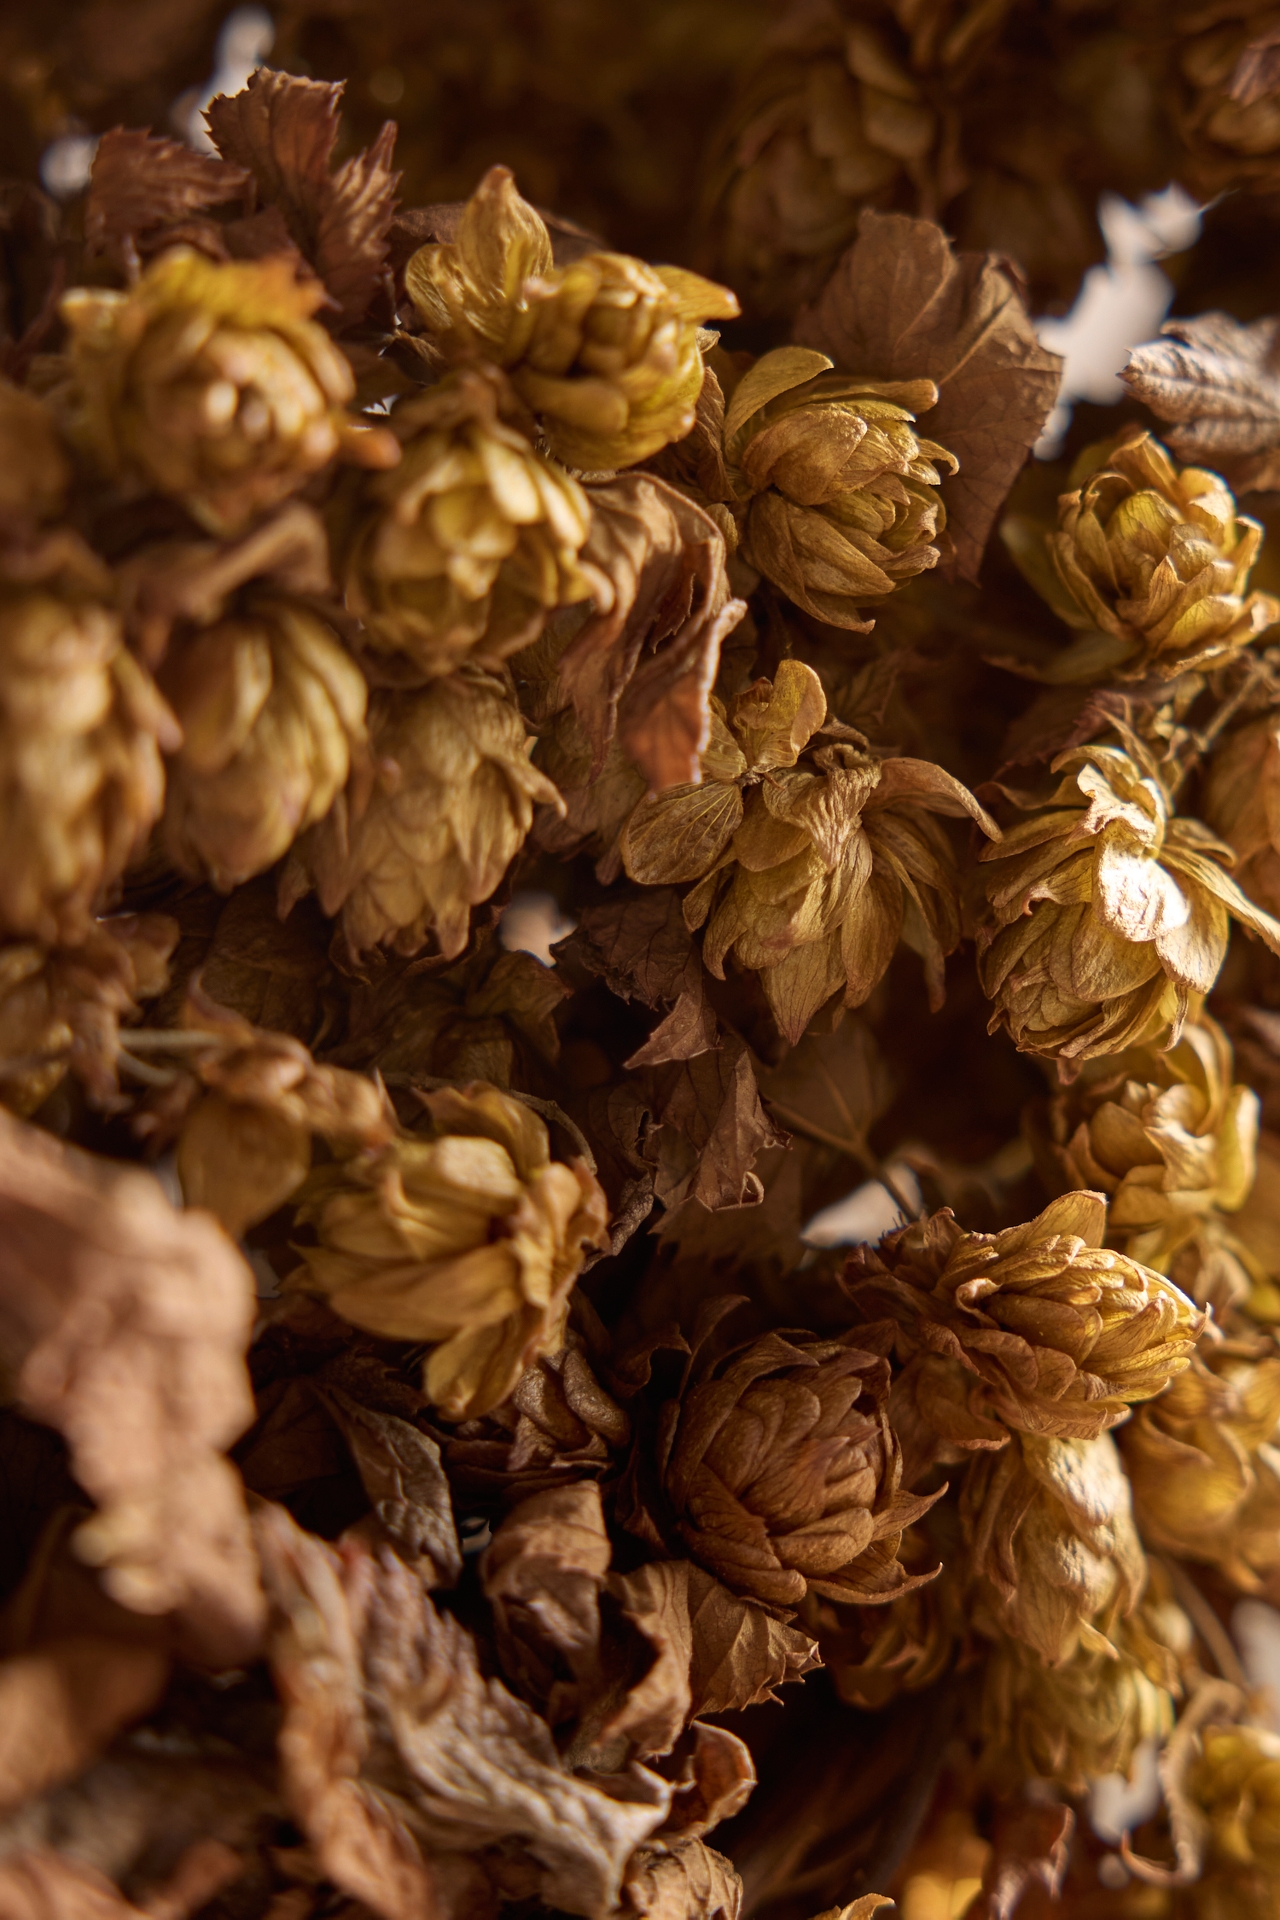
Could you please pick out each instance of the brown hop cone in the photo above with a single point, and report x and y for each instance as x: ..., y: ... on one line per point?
x: 34, y: 470
x: 1204, y: 1471
x: 777, y: 1470
x: 464, y: 548
x: 211, y: 382
x: 1038, y: 1329
x: 451, y: 806
x: 604, y: 351
x: 61, y: 1009
x: 1051, y: 1544
x: 1226, y: 93
x: 836, y: 491
x: 1071, y: 1723
x: 81, y: 731
x: 471, y: 1237
x: 1233, y: 1785
x: 1149, y: 564
x: 1171, y: 1140
x: 1106, y: 913
x: 808, y: 871
x: 272, y: 713
x: 1241, y: 801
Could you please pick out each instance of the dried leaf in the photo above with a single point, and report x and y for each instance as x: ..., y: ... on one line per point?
x: 713, y: 1653
x: 640, y: 943
x: 1218, y: 380
x: 141, y: 183
x: 643, y: 664
x: 1030, y: 1850
x: 542, y: 1575
x: 902, y: 305
x: 402, y: 1475
x: 711, y: 1126
x: 832, y: 1087
x: 686, y: 1882
x: 39, y: 1884
x: 124, y: 1324
x: 283, y: 129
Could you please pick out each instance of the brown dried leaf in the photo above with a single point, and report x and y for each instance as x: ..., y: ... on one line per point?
x: 713, y: 1653
x: 643, y: 664
x: 124, y: 1325
x: 1031, y: 1850
x: 686, y: 1882
x: 832, y: 1087
x: 711, y: 1126
x: 715, y: 1780
x: 542, y: 1574
x: 402, y: 1475
x: 902, y: 305
x: 1218, y: 381
x: 641, y: 945
x: 141, y: 183
x: 283, y: 129
x: 39, y: 1884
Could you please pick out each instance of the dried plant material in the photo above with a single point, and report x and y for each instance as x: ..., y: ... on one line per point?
x: 471, y: 1237
x: 1038, y: 1328
x: 81, y: 730
x: 1216, y: 382
x: 1205, y: 1474
x: 713, y: 1651
x: 837, y: 492
x: 901, y: 306
x: 1170, y: 1140
x: 1242, y: 803
x: 245, y: 1142
x: 452, y: 804
x: 34, y: 471
x: 687, y: 1881
x: 1232, y: 1791
x: 1224, y: 95
x: 272, y: 715
x: 1149, y: 565
x: 1032, y: 1851
x: 642, y: 947
x: 211, y: 382
x: 1049, y: 1524
x: 809, y: 873
x: 604, y: 351
x: 142, y: 185
x: 61, y: 1009
x: 283, y: 129
x: 711, y: 1127
x: 39, y: 1884
x: 776, y: 1469
x: 1106, y: 911
x: 875, y: 1655
x: 542, y: 1573
x: 641, y: 666
x: 462, y: 551
x: 125, y: 1327
x: 403, y: 1477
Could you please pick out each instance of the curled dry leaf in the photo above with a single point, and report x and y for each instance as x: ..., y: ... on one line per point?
x: 643, y: 664
x: 542, y: 1575
x: 124, y: 1325
x: 1217, y: 381
x: 402, y: 1474
x: 687, y: 1881
x: 283, y: 129
x: 901, y: 305
x: 142, y: 185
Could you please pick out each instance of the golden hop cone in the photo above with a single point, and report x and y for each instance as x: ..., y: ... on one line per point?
x: 1072, y: 1723
x: 1204, y: 1472
x: 1038, y: 1329
x: 1171, y: 1140
x: 781, y: 1474
x: 836, y: 491
x: 1241, y: 801
x: 272, y: 711
x: 604, y: 351
x: 1228, y: 111
x: 81, y: 732
x: 1105, y: 912
x: 1150, y: 565
x: 61, y: 1008
x: 34, y: 471
x: 211, y: 382
x: 462, y: 551
x: 812, y: 873
x: 1052, y: 1544
x: 471, y: 1239
x: 1233, y: 1785
x: 451, y: 807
